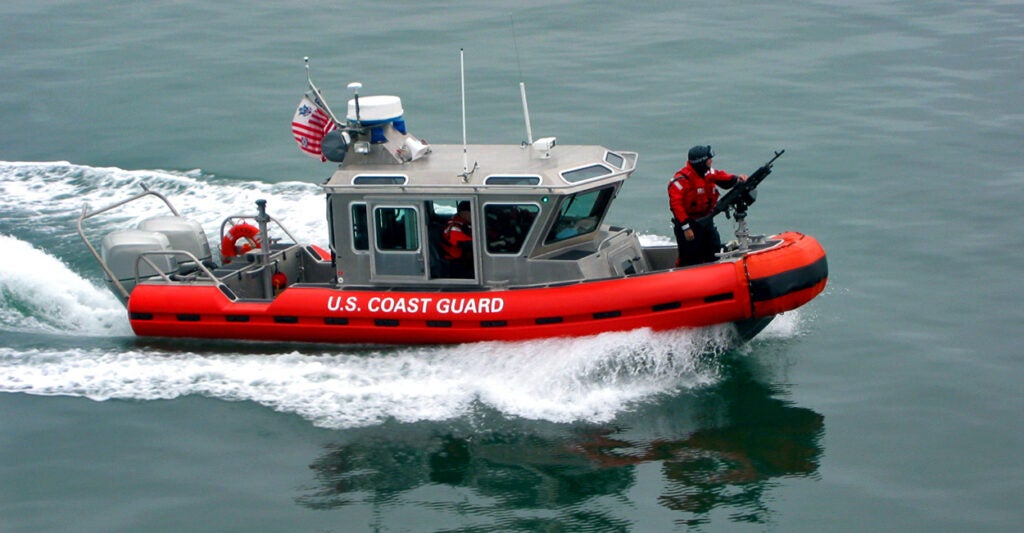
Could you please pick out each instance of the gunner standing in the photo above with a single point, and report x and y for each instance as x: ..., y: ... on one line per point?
x: 692, y: 195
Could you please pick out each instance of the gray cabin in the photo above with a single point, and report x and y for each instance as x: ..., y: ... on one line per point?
x: 537, y: 210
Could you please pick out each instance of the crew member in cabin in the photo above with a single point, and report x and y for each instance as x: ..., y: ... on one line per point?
x: 457, y: 244
x: 692, y: 195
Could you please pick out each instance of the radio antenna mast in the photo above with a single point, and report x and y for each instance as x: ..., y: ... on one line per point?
x: 462, y: 86
x: 522, y: 85
x: 466, y: 171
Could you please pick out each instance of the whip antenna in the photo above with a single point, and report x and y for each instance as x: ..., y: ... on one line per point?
x: 522, y: 85
x: 462, y: 87
x: 466, y: 172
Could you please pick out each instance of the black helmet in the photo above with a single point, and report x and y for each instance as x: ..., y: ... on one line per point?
x: 700, y: 154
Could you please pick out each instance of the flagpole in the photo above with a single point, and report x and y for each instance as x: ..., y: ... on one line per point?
x: 316, y: 92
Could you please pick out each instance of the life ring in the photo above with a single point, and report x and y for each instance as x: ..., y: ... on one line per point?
x: 228, y: 248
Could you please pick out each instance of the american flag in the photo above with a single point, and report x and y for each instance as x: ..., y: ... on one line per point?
x: 309, y: 126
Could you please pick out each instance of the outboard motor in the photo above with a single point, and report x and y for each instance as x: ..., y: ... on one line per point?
x: 121, y: 249
x: 185, y: 235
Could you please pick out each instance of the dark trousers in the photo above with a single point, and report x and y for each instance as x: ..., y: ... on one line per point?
x: 702, y: 249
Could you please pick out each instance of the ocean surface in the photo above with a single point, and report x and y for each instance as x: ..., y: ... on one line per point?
x: 892, y: 402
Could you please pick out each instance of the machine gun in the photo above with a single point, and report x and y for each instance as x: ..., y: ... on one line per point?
x: 736, y: 201
x: 743, y: 193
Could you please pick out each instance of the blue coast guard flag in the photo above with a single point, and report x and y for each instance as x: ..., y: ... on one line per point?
x: 309, y: 125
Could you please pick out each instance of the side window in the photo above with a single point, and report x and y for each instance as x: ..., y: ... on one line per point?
x: 579, y: 214
x: 397, y: 228
x: 360, y: 235
x: 507, y: 226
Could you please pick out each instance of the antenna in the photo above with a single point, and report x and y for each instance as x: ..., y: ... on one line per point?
x: 526, y: 113
x: 522, y: 85
x: 354, y: 87
x: 466, y: 172
x: 462, y: 84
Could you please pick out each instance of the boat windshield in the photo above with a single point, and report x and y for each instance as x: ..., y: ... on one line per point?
x: 580, y: 214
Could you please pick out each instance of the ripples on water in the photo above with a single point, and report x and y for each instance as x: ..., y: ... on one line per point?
x: 902, y: 128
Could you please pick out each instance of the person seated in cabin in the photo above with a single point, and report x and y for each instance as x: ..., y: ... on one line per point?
x: 457, y: 243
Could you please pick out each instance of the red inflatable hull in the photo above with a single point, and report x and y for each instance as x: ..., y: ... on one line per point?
x: 757, y: 286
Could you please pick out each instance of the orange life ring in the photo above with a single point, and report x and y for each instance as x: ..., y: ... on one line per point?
x: 228, y: 248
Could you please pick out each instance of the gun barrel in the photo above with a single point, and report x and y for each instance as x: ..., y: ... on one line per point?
x: 742, y: 192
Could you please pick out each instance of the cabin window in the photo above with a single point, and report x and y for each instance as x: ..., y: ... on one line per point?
x: 507, y: 226
x: 614, y: 159
x: 360, y: 235
x: 586, y: 173
x: 580, y: 214
x: 512, y: 180
x: 396, y: 228
x: 379, y: 180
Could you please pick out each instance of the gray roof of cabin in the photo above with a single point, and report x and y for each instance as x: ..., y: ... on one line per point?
x: 444, y: 166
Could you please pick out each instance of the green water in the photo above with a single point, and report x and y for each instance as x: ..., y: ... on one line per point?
x: 891, y: 402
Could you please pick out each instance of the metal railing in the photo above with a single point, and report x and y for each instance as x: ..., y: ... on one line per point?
x: 86, y: 214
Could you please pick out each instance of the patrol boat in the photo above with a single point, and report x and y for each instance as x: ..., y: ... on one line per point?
x: 545, y: 262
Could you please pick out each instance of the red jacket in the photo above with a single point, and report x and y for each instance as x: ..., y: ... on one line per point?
x: 691, y: 195
x: 456, y: 232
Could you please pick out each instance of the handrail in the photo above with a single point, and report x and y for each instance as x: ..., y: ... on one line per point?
x: 626, y: 231
x: 163, y: 275
x: 243, y: 218
x: 89, y: 214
